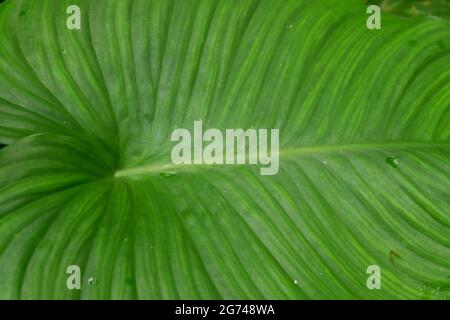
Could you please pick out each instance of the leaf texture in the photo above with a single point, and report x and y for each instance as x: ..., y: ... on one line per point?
x: 87, y: 115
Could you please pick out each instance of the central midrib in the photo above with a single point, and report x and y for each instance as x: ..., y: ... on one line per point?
x: 160, y: 167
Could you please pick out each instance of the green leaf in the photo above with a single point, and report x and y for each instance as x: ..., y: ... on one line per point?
x: 87, y: 178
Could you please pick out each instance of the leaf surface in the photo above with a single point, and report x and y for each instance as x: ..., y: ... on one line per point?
x: 87, y: 115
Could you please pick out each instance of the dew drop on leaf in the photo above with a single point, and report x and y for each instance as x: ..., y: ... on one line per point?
x: 393, y: 162
x: 92, y: 281
x: 168, y: 174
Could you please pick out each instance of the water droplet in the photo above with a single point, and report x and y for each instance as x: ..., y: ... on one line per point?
x: 63, y: 51
x: 218, y: 204
x: 295, y: 281
x: 168, y: 174
x: 92, y: 281
x: 126, y: 239
x: 393, y: 162
x: 325, y: 162
x: 290, y: 26
x: 152, y: 247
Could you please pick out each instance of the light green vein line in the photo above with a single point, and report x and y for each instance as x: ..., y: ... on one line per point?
x: 159, y: 167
